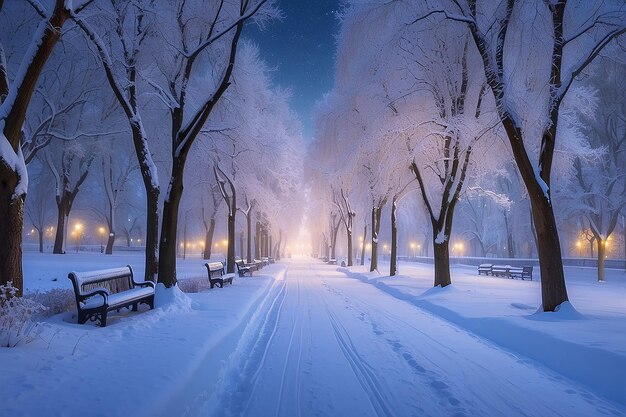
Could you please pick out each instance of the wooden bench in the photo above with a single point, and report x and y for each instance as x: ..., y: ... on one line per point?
x: 523, y: 272
x: 242, y: 268
x: 332, y: 262
x: 484, y: 269
x: 217, y: 275
x: 500, y: 270
x: 98, y: 292
x: 258, y: 264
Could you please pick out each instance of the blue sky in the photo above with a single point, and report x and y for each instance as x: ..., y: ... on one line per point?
x: 301, y: 50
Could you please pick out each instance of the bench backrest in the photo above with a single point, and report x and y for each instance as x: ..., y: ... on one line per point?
x: 114, y: 280
x: 528, y: 269
x: 215, y: 269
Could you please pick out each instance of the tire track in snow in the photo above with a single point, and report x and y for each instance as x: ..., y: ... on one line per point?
x: 240, y: 381
x: 432, y: 379
x: 287, y: 362
x: 364, y: 373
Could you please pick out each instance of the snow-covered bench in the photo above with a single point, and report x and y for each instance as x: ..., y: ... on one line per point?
x: 217, y: 275
x: 332, y: 261
x: 500, y: 270
x: 523, y: 272
x: 484, y: 269
x: 244, y: 269
x: 98, y: 292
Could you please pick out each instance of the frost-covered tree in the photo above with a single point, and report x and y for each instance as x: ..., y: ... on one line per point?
x: 598, y: 187
x: 16, y: 90
x: 530, y: 67
x: 120, y: 53
x: 208, y: 36
x: 40, y: 200
x: 69, y: 163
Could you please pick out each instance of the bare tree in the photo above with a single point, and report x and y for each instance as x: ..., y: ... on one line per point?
x: 70, y: 169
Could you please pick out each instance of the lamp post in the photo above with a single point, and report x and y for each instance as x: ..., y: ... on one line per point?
x: 413, y: 246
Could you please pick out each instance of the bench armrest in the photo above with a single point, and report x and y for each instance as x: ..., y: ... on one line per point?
x: 143, y: 284
x: 103, y: 292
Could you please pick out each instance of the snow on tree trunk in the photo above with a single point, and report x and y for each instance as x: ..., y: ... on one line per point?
x: 110, y: 242
x: 393, y: 261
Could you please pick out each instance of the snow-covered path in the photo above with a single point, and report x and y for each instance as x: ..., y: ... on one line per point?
x: 328, y: 345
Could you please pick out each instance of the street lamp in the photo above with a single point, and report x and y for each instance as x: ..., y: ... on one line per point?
x: 413, y: 246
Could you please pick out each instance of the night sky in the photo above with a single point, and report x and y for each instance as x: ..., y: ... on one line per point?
x: 301, y: 49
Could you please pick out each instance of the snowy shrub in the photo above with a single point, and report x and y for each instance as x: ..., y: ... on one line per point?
x: 57, y: 300
x: 17, y: 317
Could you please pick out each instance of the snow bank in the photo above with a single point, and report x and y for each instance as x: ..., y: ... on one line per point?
x: 160, y: 362
x: 586, y: 344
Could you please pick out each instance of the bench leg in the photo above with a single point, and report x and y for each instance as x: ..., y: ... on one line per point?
x: 135, y: 306
x: 82, y: 317
x: 103, y: 319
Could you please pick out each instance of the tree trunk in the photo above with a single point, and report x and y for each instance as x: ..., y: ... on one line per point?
x: 12, y: 205
x: 40, y: 235
x: 169, y: 226
x: 208, y: 240
x: 110, y: 242
x: 257, y: 241
x: 249, y: 238
x: 333, y: 244
x: 241, y: 252
x: 230, y: 257
x: 442, y: 262
x: 349, y: 237
x: 509, y: 236
x: 11, y: 223
x: 62, y: 215
x: 553, y: 290
x: 363, y: 244
x: 601, y: 257
x: 376, y: 214
x: 393, y: 261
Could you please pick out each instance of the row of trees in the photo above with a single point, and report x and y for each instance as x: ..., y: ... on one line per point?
x: 141, y: 92
x: 466, y: 99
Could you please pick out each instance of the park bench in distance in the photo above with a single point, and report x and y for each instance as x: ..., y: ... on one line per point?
x: 217, y: 275
x: 508, y: 271
x: 244, y: 269
x: 484, y: 269
x: 98, y: 292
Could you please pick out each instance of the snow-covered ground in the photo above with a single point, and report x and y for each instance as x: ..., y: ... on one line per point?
x: 308, y: 339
